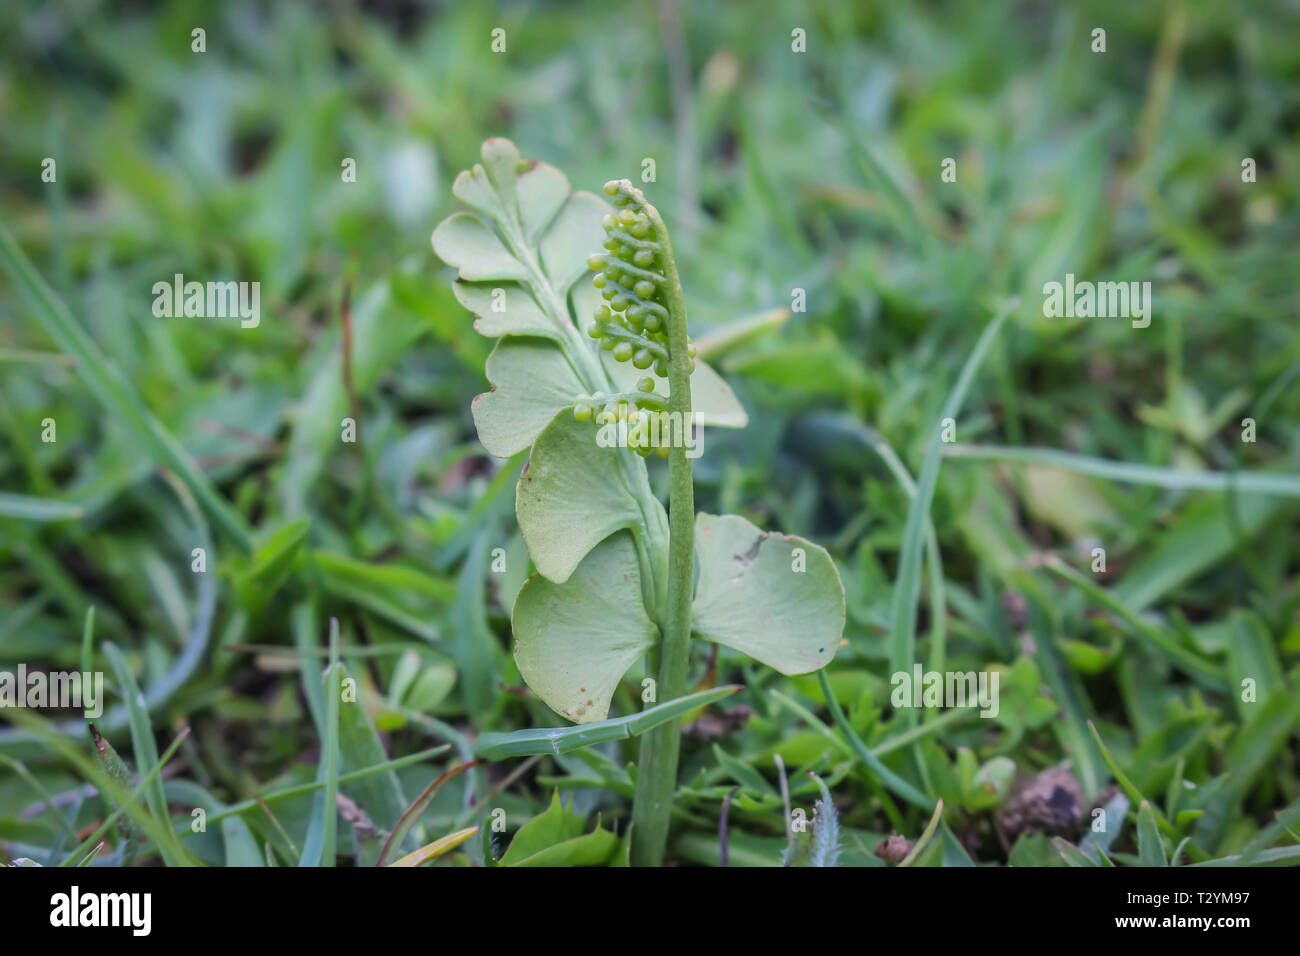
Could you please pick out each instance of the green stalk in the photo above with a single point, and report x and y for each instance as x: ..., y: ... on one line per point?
x: 656, y: 779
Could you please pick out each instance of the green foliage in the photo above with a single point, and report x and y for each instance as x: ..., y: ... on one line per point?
x: 593, y: 611
x: 558, y: 838
x: 777, y: 598
x: 838, y: 288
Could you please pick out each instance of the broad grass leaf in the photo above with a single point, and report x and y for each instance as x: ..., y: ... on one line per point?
x: 1151, y: 852
x: 1112, y: 822
x: 531, y: 381
x: 1202, y: 534
x: 33, y: 508
x: 381, y: 335
x: 1252, y: 655
x: 1034, y: 849
x: 1067, y: 501
x: 742, y: 773
x: 570, y: 497
x: 1158, y: 751
x: 143, y: 745
x: 271, y: 564
x: 473, y: 644
x: 240, y: 846
x: 379, y: 794
x: 127, y: 830
x: 752, y: 597
x: 320, y: 845
x: 954, y: 854
x: 574, y: 641
x: 1071, y: 853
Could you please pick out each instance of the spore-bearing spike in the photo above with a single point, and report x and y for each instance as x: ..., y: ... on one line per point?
x: 632, y: 324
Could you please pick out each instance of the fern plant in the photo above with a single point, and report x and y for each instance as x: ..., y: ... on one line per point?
x: 620, y: 578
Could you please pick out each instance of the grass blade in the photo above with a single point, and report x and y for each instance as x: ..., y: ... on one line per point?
x: 907, y: 586
x: 1175, y: 479
x: 32, y: 508
x: 114, y: 392
x: 886, y: 776
x: 143, y: 745
x: 436, y: 849
x: 1151, y: 852
x: 414, y: 811
x: 321, y: 845
x: 1185, y: 660
x: 397, y: 763
x: 1252, y: 753
x: 562, y: 740
x: 1135, y: 796
x: 922, y: 843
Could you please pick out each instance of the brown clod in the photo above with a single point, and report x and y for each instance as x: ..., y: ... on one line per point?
x: 894, y: 849
x: 1050, y: 803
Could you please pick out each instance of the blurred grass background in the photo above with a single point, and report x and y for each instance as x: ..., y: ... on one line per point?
x: 777, y: 171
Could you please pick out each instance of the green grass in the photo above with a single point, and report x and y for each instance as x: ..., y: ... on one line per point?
x: 776, y: 171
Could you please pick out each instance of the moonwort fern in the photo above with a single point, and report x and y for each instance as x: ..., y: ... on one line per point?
x: 620, y: 578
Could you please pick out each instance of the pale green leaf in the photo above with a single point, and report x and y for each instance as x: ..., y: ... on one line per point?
x: 465, y: 242
x: 473, y: 188
x: 542, y: 190
x: 490, y: 187
x: 504, y: 308
x: 570, y: 497
x: 574, y: 641
x: 501, y: 161
x: 712, y: 399
x: 572, y: 238
x: 531, y: 381
x: 753, y: 597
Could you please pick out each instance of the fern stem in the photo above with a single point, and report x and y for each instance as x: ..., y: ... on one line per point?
x: 657, y: 766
